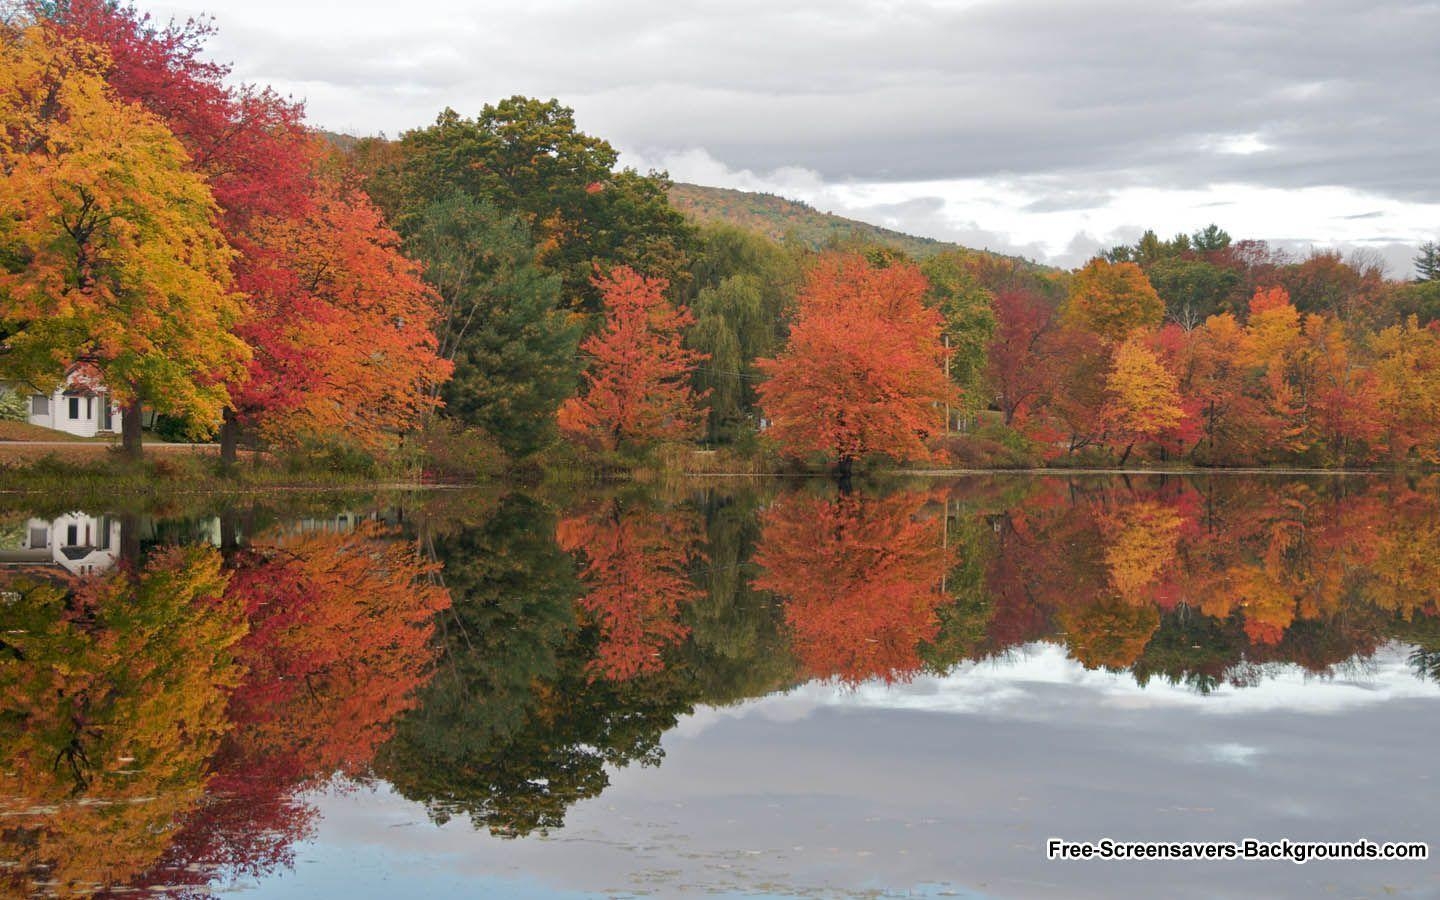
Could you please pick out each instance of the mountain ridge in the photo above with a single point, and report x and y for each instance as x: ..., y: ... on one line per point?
x: 781, y: 218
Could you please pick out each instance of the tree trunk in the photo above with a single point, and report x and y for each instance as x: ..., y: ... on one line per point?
x: 843, y: 467
x: 1126, y: 455
x: 130, y: 429
x: 229, y: 438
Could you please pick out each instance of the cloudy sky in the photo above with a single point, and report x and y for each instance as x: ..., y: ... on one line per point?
x: 1047, y: 128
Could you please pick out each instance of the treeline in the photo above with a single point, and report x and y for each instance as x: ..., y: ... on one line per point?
x: 478, y: 288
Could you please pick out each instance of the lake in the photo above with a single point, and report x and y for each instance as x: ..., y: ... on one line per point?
x: 722, y: 688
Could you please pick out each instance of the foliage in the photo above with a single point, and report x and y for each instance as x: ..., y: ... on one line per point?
x: 1112, y: 300
x: 863, y: 369
x: 345, y: 337
x: 742, y: 290
x: 635, y: 581
x: 970, y: 322
x: 637, y: 388
x: 500, y: 322
x: 115, y: 696
x: 876, y: 604
x: 526, y: 157
x: 14, y: 406
x: 112, y: 253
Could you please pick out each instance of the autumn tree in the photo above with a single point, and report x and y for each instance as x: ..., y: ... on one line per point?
x: 1018, y: 364
x: 637, y: 388
x: 1113, y: 299
x: 1143, y: 401
x: 343, y: 330
x: 283, y: 206
x: 1407, y: 371
x: 248, y: 142
x: 863, y: 371
x: 112, y: 254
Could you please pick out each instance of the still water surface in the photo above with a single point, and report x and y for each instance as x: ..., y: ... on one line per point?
x: 779, y: 691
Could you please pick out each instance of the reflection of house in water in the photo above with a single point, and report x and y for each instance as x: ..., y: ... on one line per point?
x: 79, y: 543
x: 340, y: 523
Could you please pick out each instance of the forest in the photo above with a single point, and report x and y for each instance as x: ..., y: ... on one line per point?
x: 495, y: 292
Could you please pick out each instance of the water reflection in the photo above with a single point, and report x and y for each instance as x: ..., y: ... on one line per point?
x: 169, y: 715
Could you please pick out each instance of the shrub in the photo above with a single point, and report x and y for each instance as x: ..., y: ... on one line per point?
x: 451, y: 451
x: 13, y: 406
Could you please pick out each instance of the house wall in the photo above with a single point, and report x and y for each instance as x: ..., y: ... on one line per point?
x: 88, y: 412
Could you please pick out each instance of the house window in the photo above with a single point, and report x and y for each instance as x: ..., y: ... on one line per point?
x: 72, y: 536
x: 89, y: 407
x: 39, y: 406
x: 39, y: 537
x: 74, y: 407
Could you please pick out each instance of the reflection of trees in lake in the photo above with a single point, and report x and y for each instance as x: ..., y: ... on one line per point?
x: 223, y: 691
x: 636, y: 577
x: 114, y: 704
x: 1219, y: 575
x: 862, y: 578
x: 339, y: 642
x: 160, y: 718
x: 520, y: 721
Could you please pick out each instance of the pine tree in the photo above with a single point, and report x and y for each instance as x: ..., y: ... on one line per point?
x: 1427, y: 264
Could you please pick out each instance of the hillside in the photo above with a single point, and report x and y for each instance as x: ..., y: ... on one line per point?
x: 779, y: 218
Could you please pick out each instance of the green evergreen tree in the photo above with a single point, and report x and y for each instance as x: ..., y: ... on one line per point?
x: 514, y: 348
x: 1427, y: 264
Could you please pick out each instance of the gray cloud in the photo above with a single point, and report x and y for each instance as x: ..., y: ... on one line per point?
x: 1274, y: 93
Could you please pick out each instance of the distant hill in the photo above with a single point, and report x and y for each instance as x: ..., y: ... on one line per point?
x: 778, y: 218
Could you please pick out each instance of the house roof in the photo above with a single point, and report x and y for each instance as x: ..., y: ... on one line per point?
x: 84, y: 376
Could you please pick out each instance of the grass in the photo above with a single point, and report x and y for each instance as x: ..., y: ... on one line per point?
x: 24, y: 431
x: 86, y: 477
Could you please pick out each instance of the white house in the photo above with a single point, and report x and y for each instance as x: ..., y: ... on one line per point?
x: 79, y: 543
x: 80, y: 405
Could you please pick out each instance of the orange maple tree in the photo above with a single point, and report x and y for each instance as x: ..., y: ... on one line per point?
x: 637, y: 389
x: 863, y: 371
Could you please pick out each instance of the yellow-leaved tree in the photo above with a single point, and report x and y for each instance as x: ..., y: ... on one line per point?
x: 108, y: 246
x: 1142, y: 399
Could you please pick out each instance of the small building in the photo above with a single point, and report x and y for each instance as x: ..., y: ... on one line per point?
x: 81, y: 405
